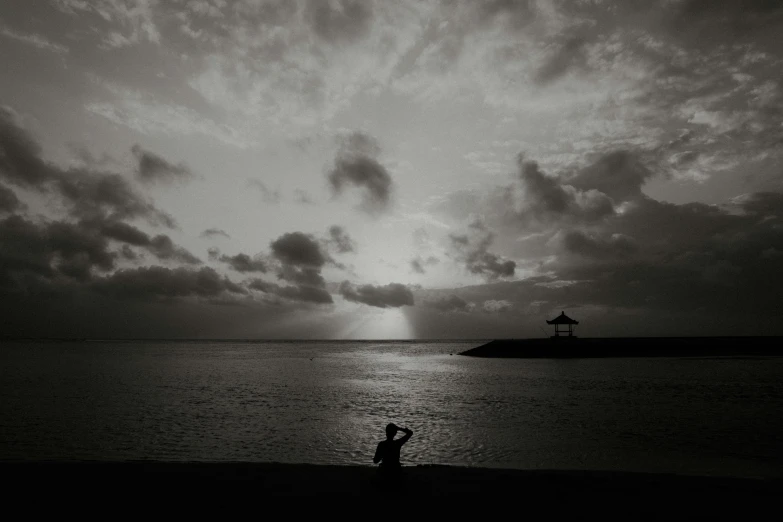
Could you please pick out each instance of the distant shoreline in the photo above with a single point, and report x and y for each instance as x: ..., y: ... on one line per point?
x: 595, y: 347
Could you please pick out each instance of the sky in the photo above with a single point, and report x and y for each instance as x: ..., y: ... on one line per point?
x: 346, y: 169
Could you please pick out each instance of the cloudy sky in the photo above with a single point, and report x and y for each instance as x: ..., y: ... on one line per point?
x: 395, y: 169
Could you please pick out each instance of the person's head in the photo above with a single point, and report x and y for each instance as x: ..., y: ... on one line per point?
x: 391, y: 431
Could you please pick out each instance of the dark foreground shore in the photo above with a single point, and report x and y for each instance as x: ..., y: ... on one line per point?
x: 573, y: 347
x: 115, y: 489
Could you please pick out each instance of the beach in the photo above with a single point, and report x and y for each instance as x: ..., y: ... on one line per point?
x: 200, y: 487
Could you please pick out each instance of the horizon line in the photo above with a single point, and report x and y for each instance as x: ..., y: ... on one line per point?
x: 388, y: 340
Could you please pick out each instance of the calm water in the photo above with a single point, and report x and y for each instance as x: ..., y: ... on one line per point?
x: 329, y: 403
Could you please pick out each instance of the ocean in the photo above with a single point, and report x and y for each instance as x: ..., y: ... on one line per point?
x: 328, y: 403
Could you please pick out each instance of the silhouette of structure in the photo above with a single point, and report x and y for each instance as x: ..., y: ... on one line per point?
x: 388, y: 451
x: 566, y: 322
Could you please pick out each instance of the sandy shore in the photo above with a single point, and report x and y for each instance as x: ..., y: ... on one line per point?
x: 202, y: 487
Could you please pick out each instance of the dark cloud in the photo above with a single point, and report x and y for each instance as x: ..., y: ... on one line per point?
x: 308, y: 276
x: 342, y: 21
x: 473, y: 250
x: 49, y: 251
x: 537, y: 202
x: 20, y: 154
x: 727, y: 19
x: 539, y: 197
x: 764, y: 205
x: 303, y: 293
x: 521, y: 12
x: 418, y: 264
x: 24, y: 249
x: 214, y: 232
x: 107, y: 196
x: 562, y: 57
x: 450, y: 303
x: 8, y: 200
x: 298, y: 249
x: 392, y: 295
x: 79, y: 250
x: 341, y: 240
x: 156, y: 282
x: 618, y: 174
x: 616, y: 245
x: 672, y: 278
x: 152, y: 168
x: 297, y: 258
x: 243, y: 263
x: 356, y: 165
x: 128, y: 253
x: 161, y: 245
x: 124, y: 233
x: 164, y: 248
x: 267, y: 195
x: 89, y: 194
x: 83, y: 155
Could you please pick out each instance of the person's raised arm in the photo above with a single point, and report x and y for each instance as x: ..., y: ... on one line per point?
x: 405, y: 437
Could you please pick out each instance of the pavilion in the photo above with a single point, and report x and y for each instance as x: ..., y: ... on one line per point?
x: 567, y: 323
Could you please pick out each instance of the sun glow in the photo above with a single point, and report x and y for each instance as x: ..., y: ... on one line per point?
x: 390, y: 323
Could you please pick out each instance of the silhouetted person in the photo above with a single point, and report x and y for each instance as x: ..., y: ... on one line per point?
x: 388, y: 452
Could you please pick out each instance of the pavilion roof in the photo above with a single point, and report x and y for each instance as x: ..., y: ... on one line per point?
x: 562, y: 319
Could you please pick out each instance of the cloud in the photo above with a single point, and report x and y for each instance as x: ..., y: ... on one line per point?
x: 154, y: 169
x: 89, y: 194
x: 144, y: 113
x: 496, y: 306
x: 268, y: 195
x: 123, y: 232
x: 563, y: 57
x: 340, y: 48
x: 155, y: 282
x: 299, y: 250
x: 392, y: 295
x: 616, y: 245
x: 32, y: 252
x: 343, y: 21
x: 450, y: 303
x: 418, y: 264
x: 694, y: 19
x: 243, y: 263
x: 164, y: 248
x: 472, y: 250
x: 303, y: 197
x: 9, y: 202
x: 356, y: 165
x: 35, y: 40
x: 127, y: 23
x: 107, y: 196
x: 161, y: 245
x: 341, y: 240
x: 211, y: 233
x: 297, y: 258
x: 540, y: 198
x: 308, y: 294
x: 20, y: 162
x: 658, y: 269
x: 618, y: 174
